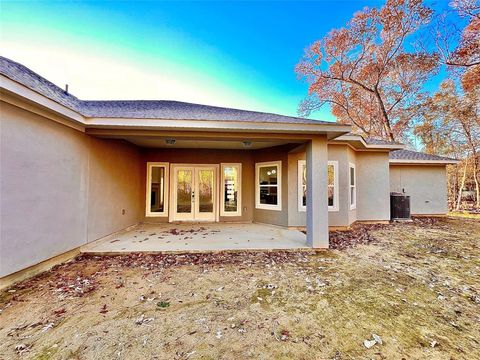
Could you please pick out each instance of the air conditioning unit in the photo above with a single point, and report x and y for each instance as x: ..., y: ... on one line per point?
x: 399, y: 206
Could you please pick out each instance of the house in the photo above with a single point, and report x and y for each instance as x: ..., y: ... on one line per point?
x: 74, y: 171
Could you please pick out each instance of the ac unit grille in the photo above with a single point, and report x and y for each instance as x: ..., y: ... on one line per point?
x: 399, y: 206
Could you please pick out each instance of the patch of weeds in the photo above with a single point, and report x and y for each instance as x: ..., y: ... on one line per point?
x: 163, y: 304
x: 47, y: 353
x: 74, y: 354
x: 266, y: 295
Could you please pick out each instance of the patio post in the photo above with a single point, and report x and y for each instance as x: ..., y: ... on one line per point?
x: 317, y: 192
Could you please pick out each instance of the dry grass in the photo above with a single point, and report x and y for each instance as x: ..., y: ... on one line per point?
x: 417, y: 286
x: 464, y: 214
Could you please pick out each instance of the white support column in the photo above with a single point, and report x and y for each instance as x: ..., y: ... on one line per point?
x: 317, y: 193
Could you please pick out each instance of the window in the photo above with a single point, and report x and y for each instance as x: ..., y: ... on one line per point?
x: 302, y: 185
x: 268, y: 178
x: 353, y: 187
x: 332, y: 173
x: 232, y: 190
x: 157, y: 185
x: 332, y: 185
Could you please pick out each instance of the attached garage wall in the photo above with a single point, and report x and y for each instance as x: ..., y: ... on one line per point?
x: 55, y: 178
x: 426, y: 185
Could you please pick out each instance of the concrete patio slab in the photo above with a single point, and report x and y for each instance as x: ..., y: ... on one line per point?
x: 197, y: 237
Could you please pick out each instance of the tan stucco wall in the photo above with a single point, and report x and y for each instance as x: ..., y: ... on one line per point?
x: 373, y: 201
x: 115, y: 197
x: 337, y: 153
x: 207, y: 156
x: 351, y: 159
x: 426, y: 185
x: 278, y: 153
x: 57, y: 189
x: 373, y: 186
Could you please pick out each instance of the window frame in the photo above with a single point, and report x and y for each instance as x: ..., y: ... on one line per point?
x: 239, y: 191
x: 258, y: 166
x: 300, y: 185
x: 353, y: 200
x: 150, y: 166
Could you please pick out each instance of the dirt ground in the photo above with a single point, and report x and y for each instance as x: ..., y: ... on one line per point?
x: 407, y: 291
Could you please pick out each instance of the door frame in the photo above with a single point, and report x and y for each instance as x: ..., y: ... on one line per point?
x: 216, y: 205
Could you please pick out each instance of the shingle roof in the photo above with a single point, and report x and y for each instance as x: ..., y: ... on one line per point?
x: 417, y: 156
x: 141, y: 109
x: 373, y: 141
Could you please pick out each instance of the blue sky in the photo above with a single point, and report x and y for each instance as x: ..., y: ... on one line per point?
x: 237, y: 54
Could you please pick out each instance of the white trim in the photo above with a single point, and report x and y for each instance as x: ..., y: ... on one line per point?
x: 148, y: 212
x: 301, y: 207
x: 239, y: 189
x: 353, y: 204
x: 259, y: 165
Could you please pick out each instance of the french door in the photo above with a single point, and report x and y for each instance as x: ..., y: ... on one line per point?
x: 193, y: 194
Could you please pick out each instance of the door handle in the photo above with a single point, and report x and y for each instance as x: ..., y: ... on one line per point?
x: 193, y: 196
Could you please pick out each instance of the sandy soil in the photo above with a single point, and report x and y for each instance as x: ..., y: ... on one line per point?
x: 416, y: 286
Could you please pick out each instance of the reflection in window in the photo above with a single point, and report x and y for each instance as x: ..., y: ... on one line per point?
x: 156, y: 198
x: 303, y: 169
x: 332, y: 185
x: 231, y: 187
x: 157, y: 189
x: 205, y: 188
x: 184, y: 191
x: 353, y: 187
x: 268, y: 179
x: 268, y: 185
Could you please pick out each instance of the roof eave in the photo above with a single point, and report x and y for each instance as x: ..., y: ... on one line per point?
x: 15, y: 90
x: 359, y: 143
x: 332, y: 131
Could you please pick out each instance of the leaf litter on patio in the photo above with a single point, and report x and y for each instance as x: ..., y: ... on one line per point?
x: 406, y: 290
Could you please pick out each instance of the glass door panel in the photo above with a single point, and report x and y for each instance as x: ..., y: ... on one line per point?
x: 205, y: 191
x: 184, y: 187
x: 194, y: 193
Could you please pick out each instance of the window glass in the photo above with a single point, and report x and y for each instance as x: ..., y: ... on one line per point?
x: 230, y: 176
x: 268, y: 175
x: 205, y: 188
x: 157, y: 194
x: 353, y: 191
x: 304, y: 184
x: 268, y: 181
x: 331, y: 185
x: 268, y: 195
x: 331, y: 178
x: 184, y: 191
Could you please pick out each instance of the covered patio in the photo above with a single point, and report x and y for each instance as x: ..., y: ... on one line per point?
x: 197, y: 237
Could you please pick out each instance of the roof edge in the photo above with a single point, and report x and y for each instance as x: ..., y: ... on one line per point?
x: 423, y: 162
x: 19, y: 90
x: 351, y: 138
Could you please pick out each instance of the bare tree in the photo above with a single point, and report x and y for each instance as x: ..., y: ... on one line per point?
x: 365, y: 72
